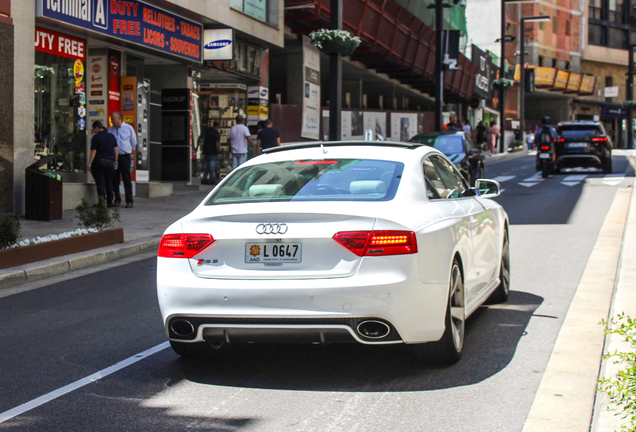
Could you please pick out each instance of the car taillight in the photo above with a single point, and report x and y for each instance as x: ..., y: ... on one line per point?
x: 599, y: 139
x: 374, y: 243
x: 545, y: 147
x: 562, y: 140
x: 555, y: 140
x: 183, y: 245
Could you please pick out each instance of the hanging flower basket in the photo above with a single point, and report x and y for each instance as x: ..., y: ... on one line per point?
x: 335, y: 41
x: 629, y: 104
x: 503, y: 83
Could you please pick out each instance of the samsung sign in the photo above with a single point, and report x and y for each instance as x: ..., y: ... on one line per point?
x: 218, y: 44
x: 130, y: 20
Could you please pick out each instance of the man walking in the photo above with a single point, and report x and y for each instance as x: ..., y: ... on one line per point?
x: 211, y: 148
x: 126, y: 143
x: 267, y: 137
x: 237, y: 138
x: 102, y: 161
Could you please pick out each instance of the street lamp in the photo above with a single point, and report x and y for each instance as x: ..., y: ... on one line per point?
x: 522, y: 77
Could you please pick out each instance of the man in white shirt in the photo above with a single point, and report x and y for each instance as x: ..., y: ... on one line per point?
x: 466, y: 128
x: 126, y: 144
x: 237, y: 138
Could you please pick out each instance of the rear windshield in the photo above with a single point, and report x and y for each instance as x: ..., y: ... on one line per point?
x: 311, y: 180
x: 578, y: 131
x: 447, y: 144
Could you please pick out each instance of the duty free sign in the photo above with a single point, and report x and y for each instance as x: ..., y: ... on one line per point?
x: 130, y: 20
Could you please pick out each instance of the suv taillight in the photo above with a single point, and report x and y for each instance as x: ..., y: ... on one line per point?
x: 183, y: 245
x: 599, y: 139
x: 374, y: 243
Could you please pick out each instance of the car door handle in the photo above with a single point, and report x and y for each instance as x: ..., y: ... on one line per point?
x: 472, y: 222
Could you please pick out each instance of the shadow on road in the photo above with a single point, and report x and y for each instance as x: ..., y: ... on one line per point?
x: 492, y: 335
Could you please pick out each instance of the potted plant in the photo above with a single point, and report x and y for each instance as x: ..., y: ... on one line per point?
x: 503, y: 83
x: 335, y: 41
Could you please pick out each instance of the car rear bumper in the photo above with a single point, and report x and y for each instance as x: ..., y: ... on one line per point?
x: 303, y: 310
x: 579, y: 160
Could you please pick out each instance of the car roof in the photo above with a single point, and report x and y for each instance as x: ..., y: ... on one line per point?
x: 433, y: 134
x: 580, y: 123
x: 382, y: 150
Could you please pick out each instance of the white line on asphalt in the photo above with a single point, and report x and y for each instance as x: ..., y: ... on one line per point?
x: 536, y: 177
x: 570, y: 183
x: 528, y: 184
x: 613, y: 179
x: 575, y: 178
x: 28, y: 406
x: 502, y: 179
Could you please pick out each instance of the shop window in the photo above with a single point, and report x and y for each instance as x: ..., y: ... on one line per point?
x: 59, y: 128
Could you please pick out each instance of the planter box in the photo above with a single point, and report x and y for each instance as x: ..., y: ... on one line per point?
x: 42, y: 251
x: 515, y: 149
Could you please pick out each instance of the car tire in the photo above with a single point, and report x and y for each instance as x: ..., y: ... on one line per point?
x: 192, y: 349
x: 448, y: 350
x: 607, y: 166
x: 501, y: 293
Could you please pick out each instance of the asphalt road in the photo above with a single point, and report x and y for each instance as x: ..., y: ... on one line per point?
x: 63, y: 332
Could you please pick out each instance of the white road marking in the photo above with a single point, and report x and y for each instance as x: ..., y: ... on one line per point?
x: 28, y: 406
x: 570, y: 183
x: 502, y: 179
x: 575, y: 178
x: 613, y: 179
x: 528, y: 184
x: 534, y: 178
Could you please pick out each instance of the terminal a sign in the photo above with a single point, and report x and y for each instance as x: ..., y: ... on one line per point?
x: 132, y: 21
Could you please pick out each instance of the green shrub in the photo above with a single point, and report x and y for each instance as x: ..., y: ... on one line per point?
x: 515, y: 145
x: 9, y: 230
x: 622, y: 388
x: 97, y: 216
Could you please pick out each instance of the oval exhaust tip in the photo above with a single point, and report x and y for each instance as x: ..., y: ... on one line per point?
x: 181, y: 327
x: 373, y: 329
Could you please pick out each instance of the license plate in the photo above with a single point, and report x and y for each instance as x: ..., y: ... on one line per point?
x: 273, y: 252
x: 577, y: 145
x: 544, y: 155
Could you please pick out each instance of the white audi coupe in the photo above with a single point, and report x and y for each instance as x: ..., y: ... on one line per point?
x: 362, y: 242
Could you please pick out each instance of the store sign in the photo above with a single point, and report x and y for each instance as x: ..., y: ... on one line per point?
x: 613, y: 111
x: 59, y: 44
x: 130, y: 20
x: 610, y: 92
x: 484, y: 76
x: 218, y: 44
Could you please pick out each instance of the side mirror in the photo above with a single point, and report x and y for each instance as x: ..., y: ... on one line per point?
x: 488, y: 188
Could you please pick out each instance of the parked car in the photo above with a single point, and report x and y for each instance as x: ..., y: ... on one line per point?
x: 460, y: 149
x: 362, y: 242
x: 583, y: 144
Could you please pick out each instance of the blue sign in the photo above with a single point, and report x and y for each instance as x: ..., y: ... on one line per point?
x: 82, y: 124
x: 130, y: 20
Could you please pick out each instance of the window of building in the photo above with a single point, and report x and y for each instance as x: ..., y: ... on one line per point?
x: 262, y: 10
x: 540, y: 61
x: 568, y: 28
x: 554, y: 24
x: 567, y: 65
x: 608, y: 23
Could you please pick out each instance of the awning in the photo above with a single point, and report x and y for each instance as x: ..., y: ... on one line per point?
x: 394, y: 42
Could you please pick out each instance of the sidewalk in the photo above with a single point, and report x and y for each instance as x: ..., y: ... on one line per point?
x: 143, y: 226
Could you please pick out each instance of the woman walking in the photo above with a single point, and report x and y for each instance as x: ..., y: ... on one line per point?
x: 491, y: 136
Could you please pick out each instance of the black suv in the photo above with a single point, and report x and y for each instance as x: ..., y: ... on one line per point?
x: 583, y: 144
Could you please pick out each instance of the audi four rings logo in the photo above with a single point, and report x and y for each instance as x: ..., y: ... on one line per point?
x: 271, y: 228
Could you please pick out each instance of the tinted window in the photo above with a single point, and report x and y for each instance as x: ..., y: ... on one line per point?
x: 578, y: 131
x: 435, y: 187
x: 450, y: 144
x: 312, y: 180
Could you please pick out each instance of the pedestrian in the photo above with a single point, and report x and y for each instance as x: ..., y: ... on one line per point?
x: 268, y: 137
x: 492, y: 132
x: 126, y: 143
x: 467, y: 128
x: 517, y: 134
x: 238, y: 137
x: 480, y: 135
x: 211, y: 150
x: 530, y: 139
x: 452, y: 127
x: 102, y: 161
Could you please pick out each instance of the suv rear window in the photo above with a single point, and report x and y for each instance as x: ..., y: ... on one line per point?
x: 582, y: 131
x: 311, y: 180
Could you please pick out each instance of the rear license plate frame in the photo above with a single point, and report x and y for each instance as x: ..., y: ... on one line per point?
x: 273, y: 252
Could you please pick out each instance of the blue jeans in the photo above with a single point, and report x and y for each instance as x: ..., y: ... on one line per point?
x: 238, y: 159
x: 210, y: 168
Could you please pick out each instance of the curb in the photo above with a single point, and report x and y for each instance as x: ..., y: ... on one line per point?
x: 28, y: 273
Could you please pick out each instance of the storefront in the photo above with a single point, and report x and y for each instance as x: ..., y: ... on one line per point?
x: 98, y: 61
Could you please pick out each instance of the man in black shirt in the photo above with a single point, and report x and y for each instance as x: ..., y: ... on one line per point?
x: 211, y: 148
x: 268, y: 137
x: 102, y: 161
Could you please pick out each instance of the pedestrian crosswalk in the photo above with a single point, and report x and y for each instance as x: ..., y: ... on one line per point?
x: 568, y: 180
